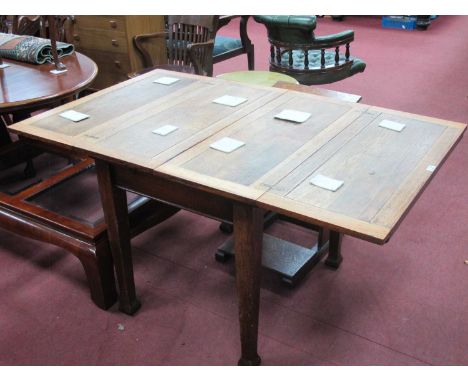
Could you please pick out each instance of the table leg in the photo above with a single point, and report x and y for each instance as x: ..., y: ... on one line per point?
x: 248, y: 233
x: 114, y: 202
x: 334, y: 258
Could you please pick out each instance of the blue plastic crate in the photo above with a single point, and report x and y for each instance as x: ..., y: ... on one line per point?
x: 399, y: 22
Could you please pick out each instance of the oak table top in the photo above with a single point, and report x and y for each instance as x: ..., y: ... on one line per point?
x: 383, y: 170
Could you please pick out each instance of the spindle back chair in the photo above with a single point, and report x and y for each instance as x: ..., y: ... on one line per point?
x: 297, y: 52
x: 189, y: 42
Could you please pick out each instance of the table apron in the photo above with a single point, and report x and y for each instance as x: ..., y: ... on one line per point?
x: 174, y: 193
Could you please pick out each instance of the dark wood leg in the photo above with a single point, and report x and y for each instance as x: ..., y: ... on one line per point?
x: 226, y: 228
x: 29, y: 170
x: 4, y: 136
x: 248, y: 231
x: 100, y: 275
x: 247, y: 43
x: 323, y: 237
x: 251, y: 58
x: 114, y: 202
x: 334, y: 258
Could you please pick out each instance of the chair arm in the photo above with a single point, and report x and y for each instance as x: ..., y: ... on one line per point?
x: 201, y: 55
x: 333, y: 40
x: 139, y: 39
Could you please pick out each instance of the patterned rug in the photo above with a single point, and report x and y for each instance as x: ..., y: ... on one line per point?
x: 31, y: 49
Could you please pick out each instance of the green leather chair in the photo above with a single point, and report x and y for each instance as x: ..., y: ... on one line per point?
x: 311, y: 60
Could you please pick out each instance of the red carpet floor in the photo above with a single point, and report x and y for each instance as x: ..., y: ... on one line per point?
x: 404, y: 303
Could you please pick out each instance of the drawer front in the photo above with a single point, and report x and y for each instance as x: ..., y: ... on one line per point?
x: 115, y: 23
x: 105, y: 40
x: 112, y: 67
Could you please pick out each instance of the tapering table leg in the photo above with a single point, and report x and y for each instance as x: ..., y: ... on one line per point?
x: 248, y: 233
x: 114, y: 202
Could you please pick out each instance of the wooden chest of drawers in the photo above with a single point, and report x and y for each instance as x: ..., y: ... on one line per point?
x: 108, y: 41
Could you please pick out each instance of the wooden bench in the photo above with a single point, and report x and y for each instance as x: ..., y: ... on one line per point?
x: 59, y: 203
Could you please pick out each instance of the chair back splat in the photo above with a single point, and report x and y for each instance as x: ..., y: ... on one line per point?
x: 189, y: 44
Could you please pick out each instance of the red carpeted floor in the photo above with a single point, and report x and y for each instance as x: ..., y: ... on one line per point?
x: 404, y: 303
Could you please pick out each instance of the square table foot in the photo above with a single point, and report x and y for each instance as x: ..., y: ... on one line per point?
x: 334, y: 258
x: 256, y: 361
x: 130, y: 308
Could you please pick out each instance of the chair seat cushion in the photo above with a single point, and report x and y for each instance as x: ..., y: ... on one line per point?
x: 225, y: 44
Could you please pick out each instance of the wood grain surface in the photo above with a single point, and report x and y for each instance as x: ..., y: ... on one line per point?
x: 383, y: 171
x: 24, y: 85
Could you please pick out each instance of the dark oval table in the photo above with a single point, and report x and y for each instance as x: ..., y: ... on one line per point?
x: 26, y: 87
x: 31, y: 86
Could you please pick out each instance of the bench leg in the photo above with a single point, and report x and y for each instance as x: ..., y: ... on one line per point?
x: 334, y: 258
x: 99, y: 272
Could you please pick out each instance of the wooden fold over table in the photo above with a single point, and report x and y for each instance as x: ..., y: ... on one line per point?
x: 383, y: 171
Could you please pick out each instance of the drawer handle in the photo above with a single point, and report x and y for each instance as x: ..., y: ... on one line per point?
x: 113, y: 23
x: 115, y: 43
x: 117, y: 64
x: 76, y: 37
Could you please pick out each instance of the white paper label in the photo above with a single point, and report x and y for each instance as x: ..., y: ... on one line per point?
x: 73, y: 115
x: 227, y: 145
x: 395, y: 126
x: 326, y: 182
x: 166, y: 80
x: 229, y: 100
x: 164, y: 130
x: 293, y: 115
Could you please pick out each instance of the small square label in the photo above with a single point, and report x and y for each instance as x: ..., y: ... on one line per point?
x: 326, y: 182
x: 4, y: 66
x: 166, y: 80
x: 229, y: 100
x: 164, y: 130
x: 73, y: 115
x: 431, y: 168
x: 293, y: 115
x: 395, y: 126
x: 227, y: 145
